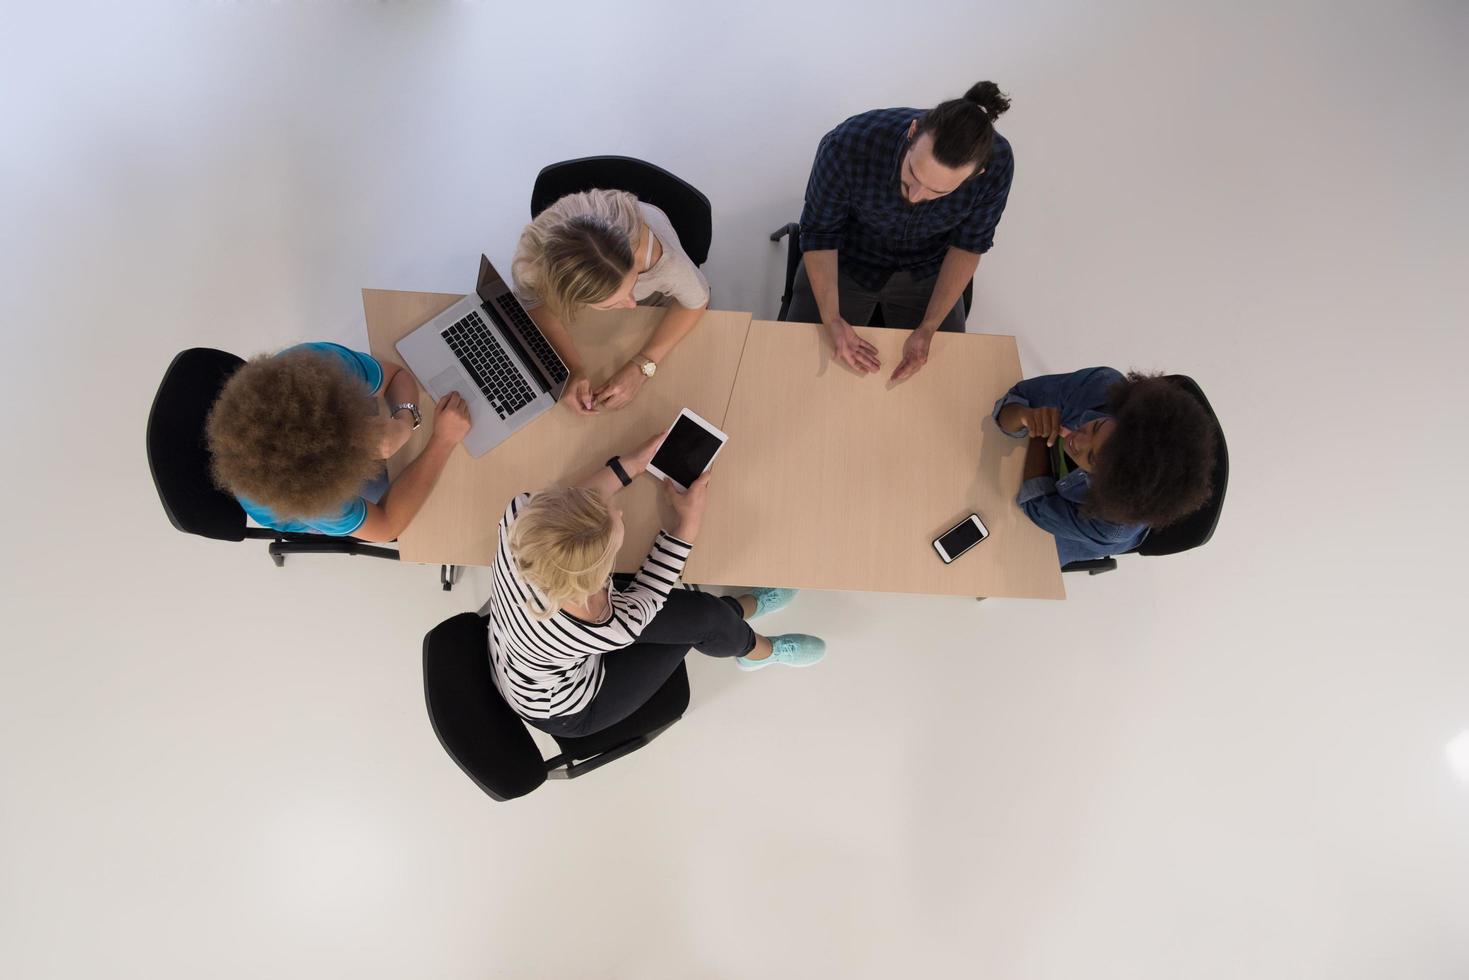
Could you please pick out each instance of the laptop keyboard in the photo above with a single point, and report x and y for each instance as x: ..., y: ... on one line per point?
x: 531, y: 334
x: 488, y: 365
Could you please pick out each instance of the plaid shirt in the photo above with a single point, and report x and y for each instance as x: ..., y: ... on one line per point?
x: 854, y: 202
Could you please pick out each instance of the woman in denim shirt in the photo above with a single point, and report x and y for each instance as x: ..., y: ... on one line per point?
x: 1142, y: 449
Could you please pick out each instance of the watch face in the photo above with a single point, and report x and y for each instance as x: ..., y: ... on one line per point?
x: 649, y: 367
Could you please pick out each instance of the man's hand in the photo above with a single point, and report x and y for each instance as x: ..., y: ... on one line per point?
x: 915, y: 354
x: 451, y: 418
x: 1043, y: 423
x: 578, y: 395
x: 851, y: 349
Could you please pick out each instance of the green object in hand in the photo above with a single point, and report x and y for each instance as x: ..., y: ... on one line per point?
x: 1061, y: 467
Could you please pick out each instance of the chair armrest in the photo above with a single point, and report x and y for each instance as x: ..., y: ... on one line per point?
x: 562, y: 767
x: 1092, y: 566
x: 558, y: 767
x: 788, y: 229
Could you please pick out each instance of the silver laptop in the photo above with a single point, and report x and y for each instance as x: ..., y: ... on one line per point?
x: 487, y: 348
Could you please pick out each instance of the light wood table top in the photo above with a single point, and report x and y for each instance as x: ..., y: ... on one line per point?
x: 831, y: 480
x: 458, y: 523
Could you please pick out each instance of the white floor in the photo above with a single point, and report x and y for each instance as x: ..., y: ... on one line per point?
x: 1227, y: 764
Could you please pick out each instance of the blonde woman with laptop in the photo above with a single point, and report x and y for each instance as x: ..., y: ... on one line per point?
x: 606, y: 250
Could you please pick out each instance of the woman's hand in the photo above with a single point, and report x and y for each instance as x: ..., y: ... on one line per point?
x: 636, y: 462
x: 1043, y: 423
x: 578, y: 395
x: 621, y: 388
x: 394, y: 435
x: 451, y: 419
x: 688, y: 506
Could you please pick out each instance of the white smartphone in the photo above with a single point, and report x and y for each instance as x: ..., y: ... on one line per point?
x: 687, y: 450
x: 960, y: 538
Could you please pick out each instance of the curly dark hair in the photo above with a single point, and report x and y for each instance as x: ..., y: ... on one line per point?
x: 1157, y: 465
x: 292, y: 432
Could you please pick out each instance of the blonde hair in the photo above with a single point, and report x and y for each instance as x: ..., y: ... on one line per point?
x: 579, y: 250
x: 562, y: 543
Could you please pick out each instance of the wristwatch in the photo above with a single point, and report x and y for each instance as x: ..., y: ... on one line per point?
x: 417, y: 418
x: 647, y: 367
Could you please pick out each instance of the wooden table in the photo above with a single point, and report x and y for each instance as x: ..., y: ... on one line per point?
x: 458, y: 523
x: 832, y: 480
x: 829, y: 481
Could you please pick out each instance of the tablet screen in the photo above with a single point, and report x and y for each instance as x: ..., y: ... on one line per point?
x: 686, y: 451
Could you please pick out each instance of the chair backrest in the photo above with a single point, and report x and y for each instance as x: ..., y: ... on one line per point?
x: 1198, y: 527
x: 178, y: 457
x: 473, y: 723
x: 686, y: 207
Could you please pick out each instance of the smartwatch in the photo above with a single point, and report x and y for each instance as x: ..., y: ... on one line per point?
x: 615, y: 465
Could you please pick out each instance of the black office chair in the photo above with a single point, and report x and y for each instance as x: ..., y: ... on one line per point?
x: 178, y: 458
x: 490, y: 742
x: 793, y: 260
x: 1193, y: 531
x: 687, y: 208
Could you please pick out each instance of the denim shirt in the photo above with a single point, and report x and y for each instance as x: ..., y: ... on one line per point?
x: 1055, y: 505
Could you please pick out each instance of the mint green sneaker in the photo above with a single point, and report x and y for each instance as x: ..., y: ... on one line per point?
x: 769, y: 600
x: 791, y: 649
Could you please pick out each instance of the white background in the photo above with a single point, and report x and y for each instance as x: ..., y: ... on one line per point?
x: 1226, y: 764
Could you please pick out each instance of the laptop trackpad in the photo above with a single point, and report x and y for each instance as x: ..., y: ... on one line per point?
x: 452, y: 379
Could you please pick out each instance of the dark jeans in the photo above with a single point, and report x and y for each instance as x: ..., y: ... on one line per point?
x: 904, y: 301
x: 630, y: 676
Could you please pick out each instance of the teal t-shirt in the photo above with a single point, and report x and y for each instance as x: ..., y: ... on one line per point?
x: 353, y: 512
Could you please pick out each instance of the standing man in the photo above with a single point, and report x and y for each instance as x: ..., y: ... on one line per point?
x: 900, y: 205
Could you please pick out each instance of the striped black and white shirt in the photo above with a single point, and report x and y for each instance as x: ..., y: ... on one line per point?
x: 551, y: 667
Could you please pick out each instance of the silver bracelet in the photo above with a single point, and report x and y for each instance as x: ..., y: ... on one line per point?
x: 417, y: 418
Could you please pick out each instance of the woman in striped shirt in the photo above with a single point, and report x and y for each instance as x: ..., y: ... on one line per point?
x: 571, y: 654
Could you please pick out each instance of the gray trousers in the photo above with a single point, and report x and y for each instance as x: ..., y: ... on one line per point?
x: 904, y: 301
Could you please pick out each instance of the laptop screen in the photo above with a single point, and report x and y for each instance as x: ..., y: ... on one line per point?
x: 487, y: 275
